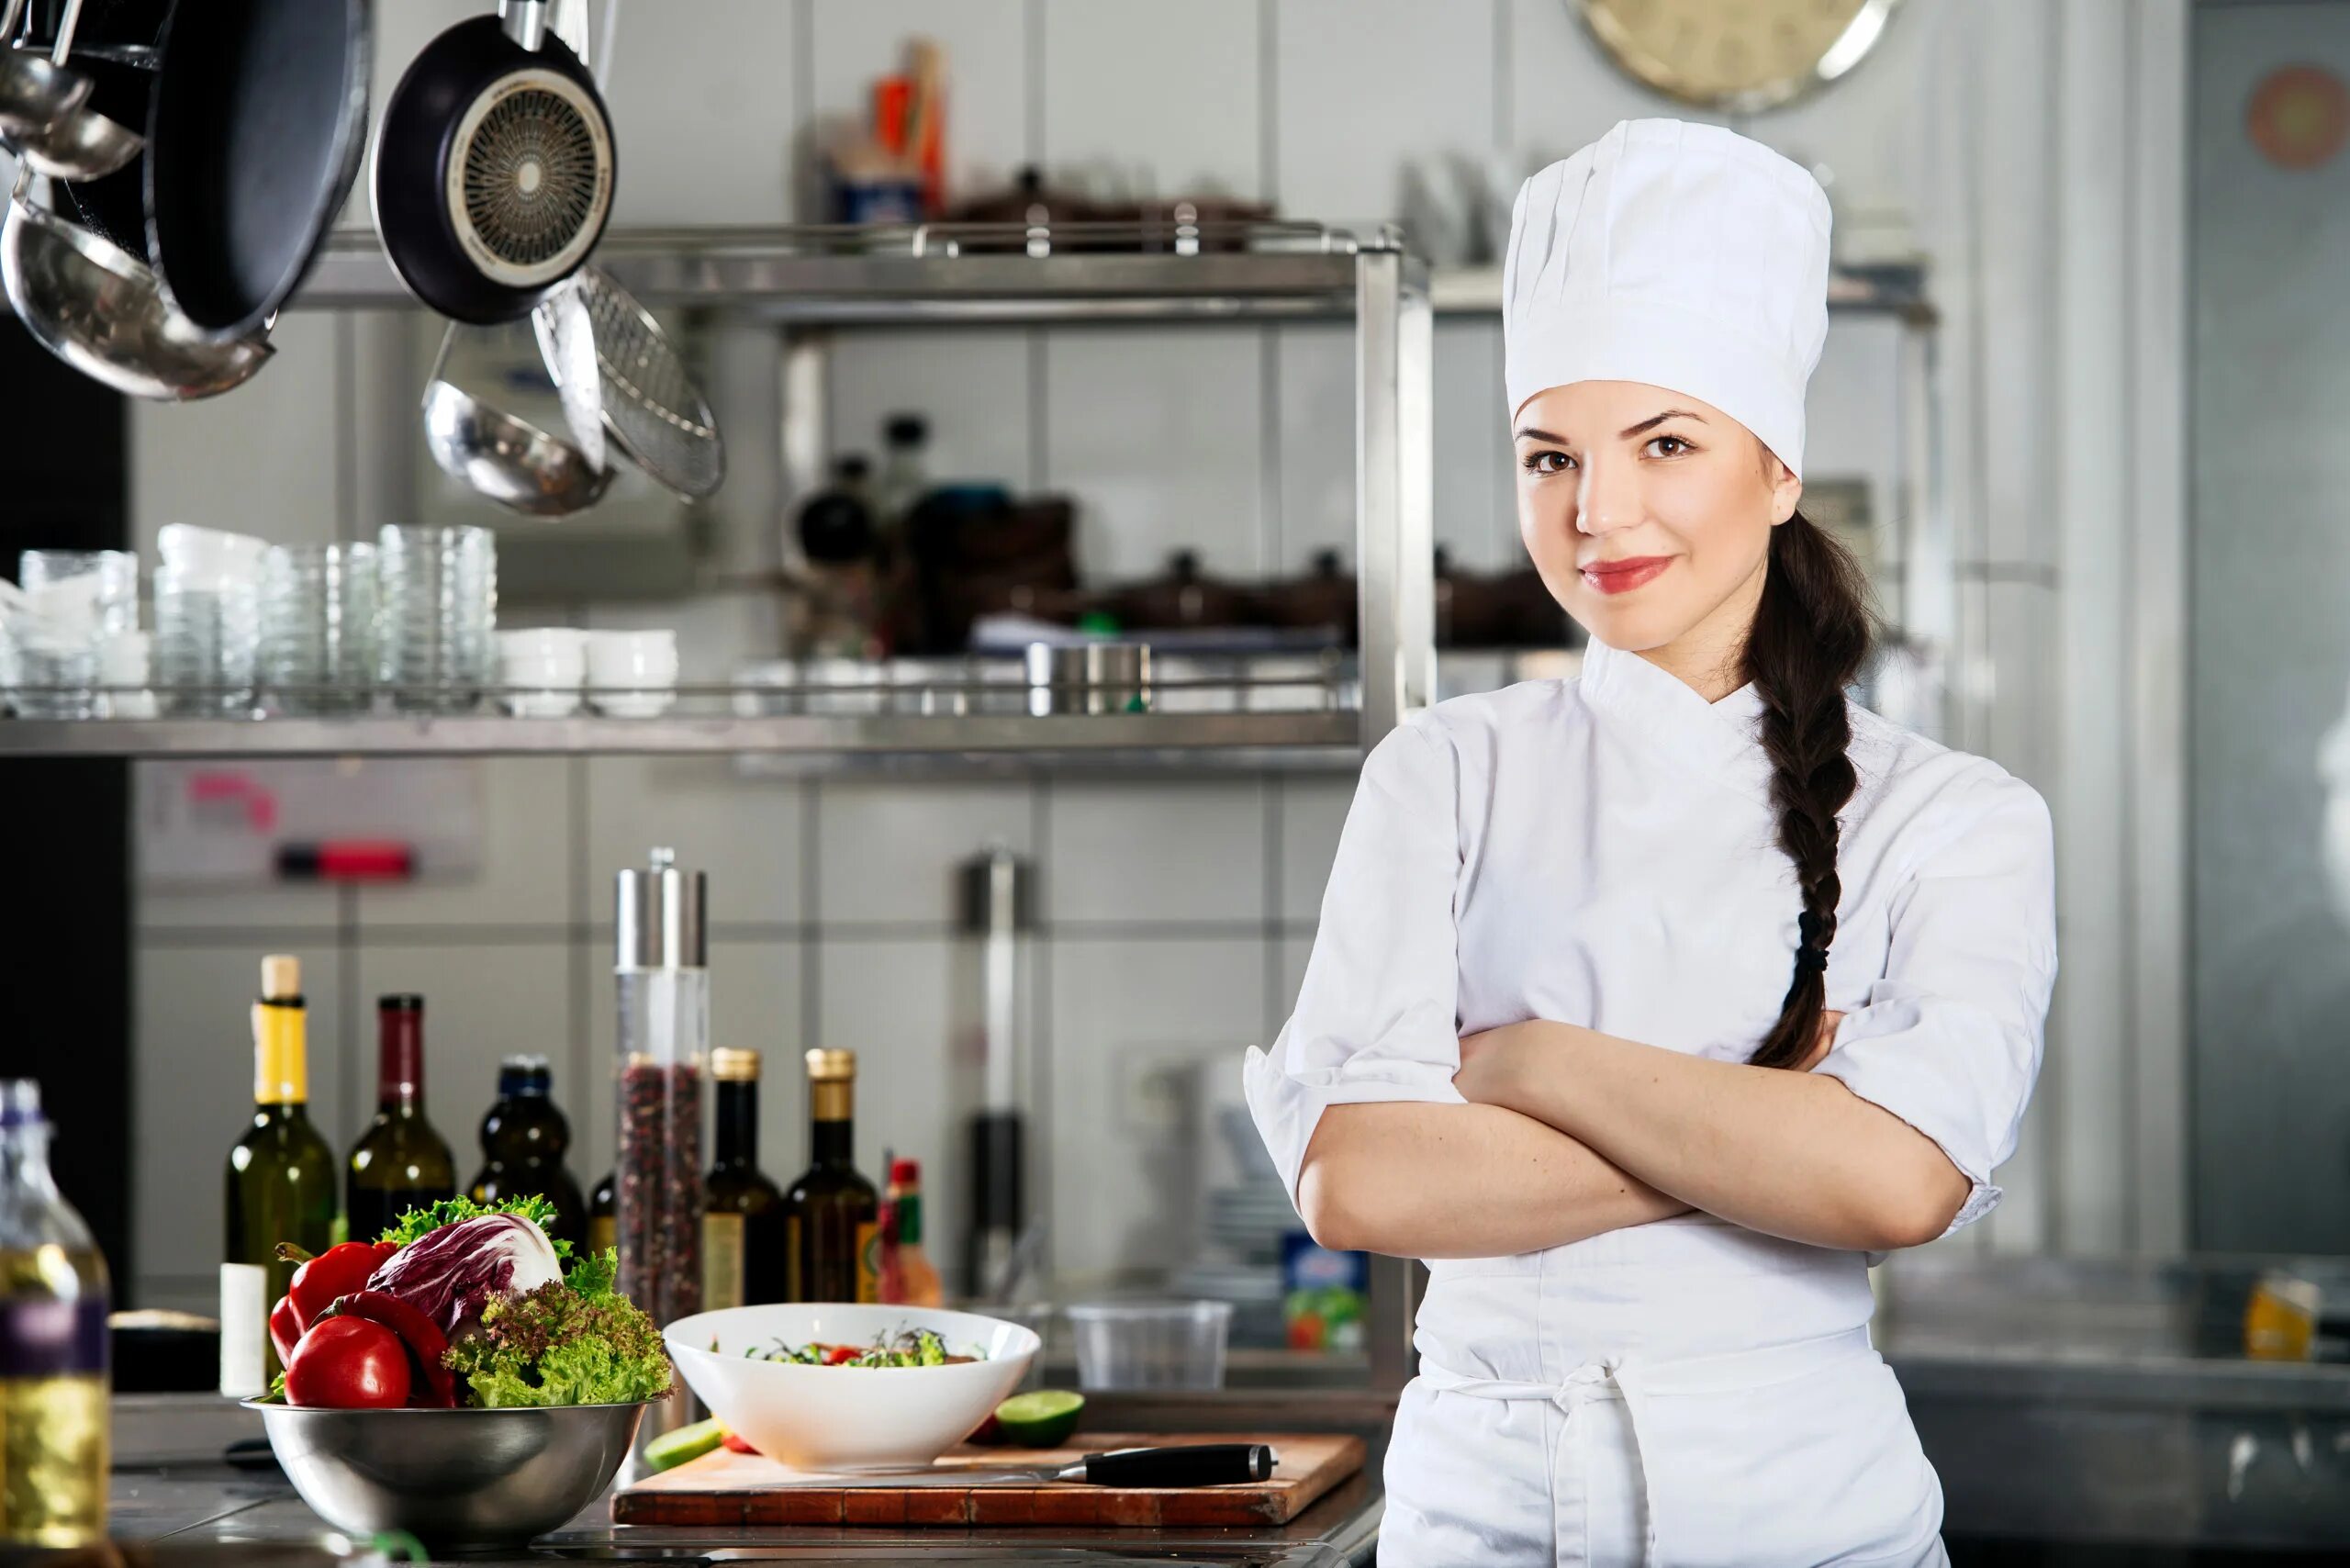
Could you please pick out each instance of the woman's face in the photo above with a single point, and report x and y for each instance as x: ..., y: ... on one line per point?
x: 1647, y: 513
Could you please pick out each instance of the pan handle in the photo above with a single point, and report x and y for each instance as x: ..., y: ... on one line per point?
x: 526, y: 21
x: 65, y: 32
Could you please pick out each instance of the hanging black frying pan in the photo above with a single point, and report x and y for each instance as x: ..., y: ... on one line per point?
x: 493, y: 168
x: 253, y: 140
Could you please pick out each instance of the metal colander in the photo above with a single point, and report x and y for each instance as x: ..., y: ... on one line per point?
x: 533, y: 178
x: 654, y: 411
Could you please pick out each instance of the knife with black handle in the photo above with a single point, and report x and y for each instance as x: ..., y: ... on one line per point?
x: 1186, y: 1464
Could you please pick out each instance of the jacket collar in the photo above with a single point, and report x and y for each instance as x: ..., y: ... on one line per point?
x: 1719, y: 739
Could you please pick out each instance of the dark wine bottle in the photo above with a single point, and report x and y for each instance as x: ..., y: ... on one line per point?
x: 834, y: 1214
x: 746, y: 1236
x: 399, y: 1162
x: 603, y: 1221
x: 523, y: 1139
x: 280, y: 1184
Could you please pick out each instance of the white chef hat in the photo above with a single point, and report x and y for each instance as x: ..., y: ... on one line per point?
x: 1682, y: 255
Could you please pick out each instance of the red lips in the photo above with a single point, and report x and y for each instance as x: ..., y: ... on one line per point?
x: 1624, y: 576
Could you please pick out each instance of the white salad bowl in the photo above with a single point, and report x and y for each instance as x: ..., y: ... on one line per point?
x: 846, y: 1418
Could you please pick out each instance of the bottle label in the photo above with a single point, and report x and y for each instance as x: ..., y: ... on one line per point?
x: 244, y: 1330
x: 721, y: 1261
x: 42, y: 1337
x: 281, y: 1059
x: 869, y: 1261
x: 603, y: 1234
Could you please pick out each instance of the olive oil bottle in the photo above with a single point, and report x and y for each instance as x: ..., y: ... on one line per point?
x: 53, y: 1408
x: 834, y: 1212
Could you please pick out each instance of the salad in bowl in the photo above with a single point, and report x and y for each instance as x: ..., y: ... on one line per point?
x: 832, y: 1386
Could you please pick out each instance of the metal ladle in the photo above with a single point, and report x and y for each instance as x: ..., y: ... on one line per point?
x: 35, y: 93
x: 100, y: 309
x: 80, y: 145
x: 511, y: 462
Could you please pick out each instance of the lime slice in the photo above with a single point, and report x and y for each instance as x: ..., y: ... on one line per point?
x: 671, y: 1449
x: 1043, y: 1419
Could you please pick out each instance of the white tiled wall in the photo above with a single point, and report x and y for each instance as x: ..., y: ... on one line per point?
x: 1180, y: 912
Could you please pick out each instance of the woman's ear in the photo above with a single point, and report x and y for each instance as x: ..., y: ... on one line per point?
x: 1786, y: 490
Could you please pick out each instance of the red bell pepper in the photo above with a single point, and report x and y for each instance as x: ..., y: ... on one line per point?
x: 736, y: 1443
x: 437, y: 1387
x: 284, y: 1331
x: 337, y: 1272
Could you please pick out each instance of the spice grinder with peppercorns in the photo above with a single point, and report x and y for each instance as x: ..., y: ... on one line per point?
x: 661, y: 972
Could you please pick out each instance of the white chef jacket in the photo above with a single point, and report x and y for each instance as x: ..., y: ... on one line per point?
x: 1601, y: 851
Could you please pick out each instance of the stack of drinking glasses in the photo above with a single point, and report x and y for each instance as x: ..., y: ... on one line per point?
x: 73, y: 606
x: 318, y: 627
x: 438, y: 613
x: 208, y: 618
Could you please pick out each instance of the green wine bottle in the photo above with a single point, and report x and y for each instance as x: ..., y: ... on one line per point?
x: 833, y: 1215
x: 745, y: 1229
x: 280, y: 1182
x: 399, y: 1162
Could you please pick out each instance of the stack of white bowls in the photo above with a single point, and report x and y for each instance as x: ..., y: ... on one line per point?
x: 540, y: 672
x: 208, y: 618
x: 633, y: 675
x: 438, y: 608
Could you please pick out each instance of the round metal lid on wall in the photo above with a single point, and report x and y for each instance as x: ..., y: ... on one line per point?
x: 660, y: 916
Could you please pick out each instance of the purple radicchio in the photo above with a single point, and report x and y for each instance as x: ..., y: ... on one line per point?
x: 450, y: 1274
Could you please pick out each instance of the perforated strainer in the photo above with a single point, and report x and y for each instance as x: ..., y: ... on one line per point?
x: 651, y: 404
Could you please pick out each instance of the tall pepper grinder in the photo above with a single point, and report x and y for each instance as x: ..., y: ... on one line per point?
x: 661, y: 970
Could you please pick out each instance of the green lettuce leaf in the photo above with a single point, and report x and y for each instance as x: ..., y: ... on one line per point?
x: 417, y: 1222
x: 558, y: 1345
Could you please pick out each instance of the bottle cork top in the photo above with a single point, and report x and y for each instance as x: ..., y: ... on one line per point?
x: 731, y: 1064
x: 281, y: 977
x: 826, y: 1066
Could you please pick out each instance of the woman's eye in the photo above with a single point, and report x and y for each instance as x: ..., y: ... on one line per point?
x: 1548, y: 462
x: 1669, y: 446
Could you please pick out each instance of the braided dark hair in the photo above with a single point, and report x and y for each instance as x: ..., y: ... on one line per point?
x: 1809, y: 639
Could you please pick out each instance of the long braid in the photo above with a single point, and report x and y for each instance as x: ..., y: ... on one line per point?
x: 1809, y: 639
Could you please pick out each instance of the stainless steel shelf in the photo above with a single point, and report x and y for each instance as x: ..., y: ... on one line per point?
x: 939, y: 275
x: 1255, y: 740
x: 1898, y: 291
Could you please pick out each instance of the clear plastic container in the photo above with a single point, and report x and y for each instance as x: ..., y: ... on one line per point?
x: 1173, y: 1344
x: 72, y: 601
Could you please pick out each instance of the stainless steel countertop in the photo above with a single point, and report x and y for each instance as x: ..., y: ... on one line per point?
x: 170, y: 1481
x: 2059, y: 1400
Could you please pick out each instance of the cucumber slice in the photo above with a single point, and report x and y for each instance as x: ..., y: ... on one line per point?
x: 671, y: 1449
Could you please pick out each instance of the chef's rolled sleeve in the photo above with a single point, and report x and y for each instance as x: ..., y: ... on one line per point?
x: 1950, y: 1039
x: 1377, y: 1013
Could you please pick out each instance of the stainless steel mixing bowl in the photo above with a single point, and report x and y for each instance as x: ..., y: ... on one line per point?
x: 454, y: 1479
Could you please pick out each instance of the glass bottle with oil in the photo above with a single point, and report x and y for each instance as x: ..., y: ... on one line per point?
x: 832, y: 1213
x: 53, y: 1385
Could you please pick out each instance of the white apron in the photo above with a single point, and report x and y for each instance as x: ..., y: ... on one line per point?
x: 1600, y: 852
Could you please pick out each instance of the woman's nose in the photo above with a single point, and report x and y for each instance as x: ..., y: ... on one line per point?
x: 1610, y: 500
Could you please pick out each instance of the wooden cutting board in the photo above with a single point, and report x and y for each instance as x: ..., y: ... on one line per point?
x: 724, y: 1488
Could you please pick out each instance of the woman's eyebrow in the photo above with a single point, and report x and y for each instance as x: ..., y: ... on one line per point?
x: 1531, y: 433
x: 1655, y: 420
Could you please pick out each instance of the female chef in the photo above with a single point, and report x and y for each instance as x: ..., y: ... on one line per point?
x: 1649, y: 1007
